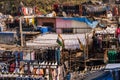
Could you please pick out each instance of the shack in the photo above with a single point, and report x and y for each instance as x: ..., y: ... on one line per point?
x: 68, y: 24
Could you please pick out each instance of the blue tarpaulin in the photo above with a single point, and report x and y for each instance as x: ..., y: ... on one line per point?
x: 90, y: 23
x: 57, y: 55
x: 106, y: 76
x: 43, y: 29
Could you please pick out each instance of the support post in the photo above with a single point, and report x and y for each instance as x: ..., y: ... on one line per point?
x: 21, y: 34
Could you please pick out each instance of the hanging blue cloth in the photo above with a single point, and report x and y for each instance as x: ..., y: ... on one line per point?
x: 68, y: 76
x: 57, y: 55
x: 16, y: 55
x: 21, y: 55
x: 116, y: 74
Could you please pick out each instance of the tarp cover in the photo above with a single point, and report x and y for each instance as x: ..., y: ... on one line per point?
x: 90, y: 23
x: 70, y: 40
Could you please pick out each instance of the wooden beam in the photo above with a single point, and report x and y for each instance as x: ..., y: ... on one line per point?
x: 21, y: 34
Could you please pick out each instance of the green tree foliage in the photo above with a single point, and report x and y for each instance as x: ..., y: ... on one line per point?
x: 44, y: 5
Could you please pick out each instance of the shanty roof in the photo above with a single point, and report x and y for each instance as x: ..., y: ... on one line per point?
x: 70, y: 40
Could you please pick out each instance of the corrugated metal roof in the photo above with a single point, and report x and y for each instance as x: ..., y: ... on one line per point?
x: 70, y: 40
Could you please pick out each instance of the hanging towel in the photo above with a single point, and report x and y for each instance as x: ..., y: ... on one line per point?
x: 31, y: 68
x: 22, y: 71
x: 112, y: 55
x: 38, y: 71
x: 33, y: 55
x: 41, y: 72
x: 12, y: 67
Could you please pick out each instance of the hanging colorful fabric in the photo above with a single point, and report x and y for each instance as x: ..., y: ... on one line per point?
x: 41, y: 72
x: 37, y: 71
x: 27, y: 21
x: 22, y: 70
x: 112, y: 56
x: 33, y: 21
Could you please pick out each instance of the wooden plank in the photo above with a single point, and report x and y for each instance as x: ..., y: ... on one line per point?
x: 32, y: 33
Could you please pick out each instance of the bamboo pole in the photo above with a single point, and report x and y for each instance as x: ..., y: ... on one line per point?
x: 21, y: 34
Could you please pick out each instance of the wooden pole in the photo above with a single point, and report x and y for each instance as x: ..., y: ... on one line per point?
x: 70, y: 61
x: 85, y: 51
x: 21, y: 33
x: 87, y: 46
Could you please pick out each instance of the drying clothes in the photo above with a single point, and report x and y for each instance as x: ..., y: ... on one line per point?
x: 115, y: 11
x: 59, y: 73
x: 4, y: 69
x: 25, y: 11
x: 68, y: 76
x: 41, y: 72
x: 30, y: 11
x: 33, y: 55
x: 105, y: 56
x: 18, y: 55
x: 33, y: 21
x: 57, y: 55
x: 30, y: 21
x: 109, y: 15
x: 47, y: 71
x: 16, y: 68
x: 31, y: 68
x: 27, y: 56
x: 12, y: 68
x: 37, y: 71
x: 112, y: 56
x: 119, y: 38
x: 117, y: 32
x: 50, y: 76
x: 54, y: 74
x: 21, y: 55
x: 26, y: 20
x: 34, y: 71
x: 26, y: 69
x: 22, y: 71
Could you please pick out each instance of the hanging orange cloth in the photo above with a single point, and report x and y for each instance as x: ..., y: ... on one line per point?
x: 34, y: 71
x: 22, y: 70
x: 105, y: 56
x: 27, y: 21
x: 41, y: 72
x: 37, y: 72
